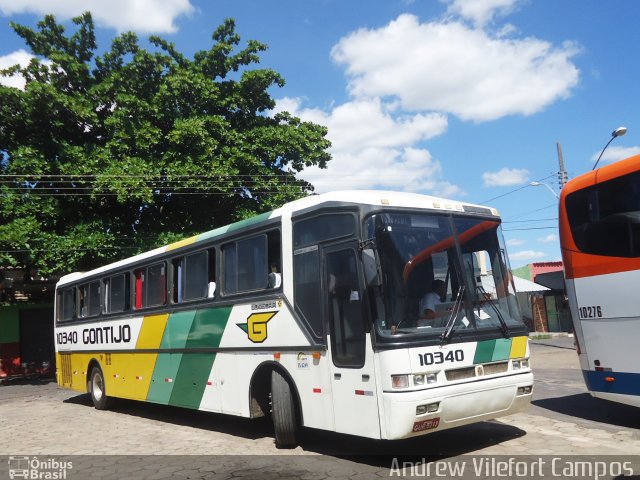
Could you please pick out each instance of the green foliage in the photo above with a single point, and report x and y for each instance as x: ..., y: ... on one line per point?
x: 105, y: 156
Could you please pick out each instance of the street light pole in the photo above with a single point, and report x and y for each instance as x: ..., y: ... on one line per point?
x: 540, y: 184
x: 618, y: 132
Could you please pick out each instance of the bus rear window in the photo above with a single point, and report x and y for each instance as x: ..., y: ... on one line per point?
x: 605, y: 218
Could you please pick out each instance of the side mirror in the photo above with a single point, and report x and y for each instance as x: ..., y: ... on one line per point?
x: 371, y: 267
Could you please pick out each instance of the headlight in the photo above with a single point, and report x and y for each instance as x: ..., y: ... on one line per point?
x: 418, y: 379
x: 516, y: 364
x: 400, y: 381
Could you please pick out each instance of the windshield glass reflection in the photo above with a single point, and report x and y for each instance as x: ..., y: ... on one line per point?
x: 442, y: 275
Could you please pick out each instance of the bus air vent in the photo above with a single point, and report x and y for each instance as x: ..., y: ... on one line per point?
x: 473, y: 209
x: 470, y: 372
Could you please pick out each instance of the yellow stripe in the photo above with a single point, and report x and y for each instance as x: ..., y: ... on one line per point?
x: 150, y: 337
x: 182, y: 243
x: 151, y: 331
x: 518, y: 347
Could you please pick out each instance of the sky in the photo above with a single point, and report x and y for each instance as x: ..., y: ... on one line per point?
x: 461, y: 99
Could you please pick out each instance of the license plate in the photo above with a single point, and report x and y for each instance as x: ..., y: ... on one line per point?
x: 426, y: 424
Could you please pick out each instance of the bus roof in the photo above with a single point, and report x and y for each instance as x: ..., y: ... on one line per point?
x: 359, y: 197
x: 602, y: 174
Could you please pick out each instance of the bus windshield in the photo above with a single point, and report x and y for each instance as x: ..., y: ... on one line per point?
x: 462, y: 258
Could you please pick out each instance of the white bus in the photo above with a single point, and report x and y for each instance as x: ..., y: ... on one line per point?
x: 309, y: 313
x: 600, y: 241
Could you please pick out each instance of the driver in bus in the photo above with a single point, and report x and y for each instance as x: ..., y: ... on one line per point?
x: 430, y: 301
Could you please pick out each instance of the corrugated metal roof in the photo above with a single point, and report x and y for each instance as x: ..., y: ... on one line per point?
x: 521, y: 285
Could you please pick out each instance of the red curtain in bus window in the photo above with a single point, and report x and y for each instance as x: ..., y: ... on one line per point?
x: 138, y: 288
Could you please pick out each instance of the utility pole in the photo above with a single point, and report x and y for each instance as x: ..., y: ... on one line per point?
x: 562, y: 173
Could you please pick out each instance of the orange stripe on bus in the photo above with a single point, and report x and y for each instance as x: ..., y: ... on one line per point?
x: 578, y: 264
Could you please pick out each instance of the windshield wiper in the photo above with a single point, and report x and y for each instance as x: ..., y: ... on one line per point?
x: 449, y: 328
x: 503, y: 325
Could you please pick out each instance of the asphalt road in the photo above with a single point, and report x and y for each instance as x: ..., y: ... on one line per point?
x: 138, y: 440
x: 560, y: 392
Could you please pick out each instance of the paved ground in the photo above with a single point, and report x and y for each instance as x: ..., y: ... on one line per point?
x: 39, y: 419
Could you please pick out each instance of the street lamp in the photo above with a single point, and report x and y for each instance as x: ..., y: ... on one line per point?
x: 618, y: 132
x: 540, y: 184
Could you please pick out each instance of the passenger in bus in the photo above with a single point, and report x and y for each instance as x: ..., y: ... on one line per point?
x: 430, y: 301
x: 275, y: 278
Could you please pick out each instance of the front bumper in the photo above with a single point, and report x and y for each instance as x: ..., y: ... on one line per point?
x: 459, y: 404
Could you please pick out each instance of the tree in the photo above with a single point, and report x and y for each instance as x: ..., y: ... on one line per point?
x: 105, y: 156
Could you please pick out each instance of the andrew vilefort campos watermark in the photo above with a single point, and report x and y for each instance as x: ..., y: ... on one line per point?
x: 513, y: 467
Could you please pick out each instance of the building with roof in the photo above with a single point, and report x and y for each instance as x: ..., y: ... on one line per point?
x: 549, y: 308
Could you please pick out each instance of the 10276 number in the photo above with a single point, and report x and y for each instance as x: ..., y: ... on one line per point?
x: 594, y: 311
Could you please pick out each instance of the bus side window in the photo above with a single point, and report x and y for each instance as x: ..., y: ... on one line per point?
x: 116, y: 294
x: 178, y: 286
x: 68, y: 308
x: 245, y: 265
x: 156, y: 288
x: 138, y: 289
x: 195, y: 276
x: 94, y: 299
x: 83, y: 304
x: 273, y: 255
x: 211, y: 275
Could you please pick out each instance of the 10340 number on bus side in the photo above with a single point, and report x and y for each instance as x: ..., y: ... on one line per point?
x: 435, y: 358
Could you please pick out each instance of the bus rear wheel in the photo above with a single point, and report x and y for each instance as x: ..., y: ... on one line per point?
x: 284, y: 416
x: 98, y: 390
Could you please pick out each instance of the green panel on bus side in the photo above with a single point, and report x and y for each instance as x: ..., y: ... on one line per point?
x: 213, y: 233
x: 191, y: 379
x: 502, y: 349
x: 177, y: 330
x: 164, y: 377
x: 207, y: 327
x: 484, y: 351
x: 9, y: 324
x: 249, y: 221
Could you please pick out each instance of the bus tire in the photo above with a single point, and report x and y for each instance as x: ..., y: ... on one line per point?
x: 98, y: 390
x: 285, y: 422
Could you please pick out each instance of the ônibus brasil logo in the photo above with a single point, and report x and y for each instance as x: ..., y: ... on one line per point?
x: 34, y: 468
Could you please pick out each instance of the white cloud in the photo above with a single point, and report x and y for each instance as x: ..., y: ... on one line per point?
x: 527, y: 255
x: 506, y: 177
x: 142, y: 16
x: 19, y: 57
x: 372, y: 147
x: 481, y: 11
x: 613, y: 154
x: 450, y: 67
x: 552, y: 237
x: 514, y: 242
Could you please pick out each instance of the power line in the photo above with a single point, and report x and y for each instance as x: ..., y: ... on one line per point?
x: 555, y: 204
x: 532, y: 220
x: 531, y: 228
x: 515, y: 190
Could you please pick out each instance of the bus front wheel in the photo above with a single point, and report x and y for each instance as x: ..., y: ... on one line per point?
x: 98, y: 390
x: 283, y: 407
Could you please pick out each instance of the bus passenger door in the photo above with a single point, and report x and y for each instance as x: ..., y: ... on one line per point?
x: 355, y: 403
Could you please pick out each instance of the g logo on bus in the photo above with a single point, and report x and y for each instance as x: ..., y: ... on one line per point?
x: 479, y: 371
x: 256, y: 326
